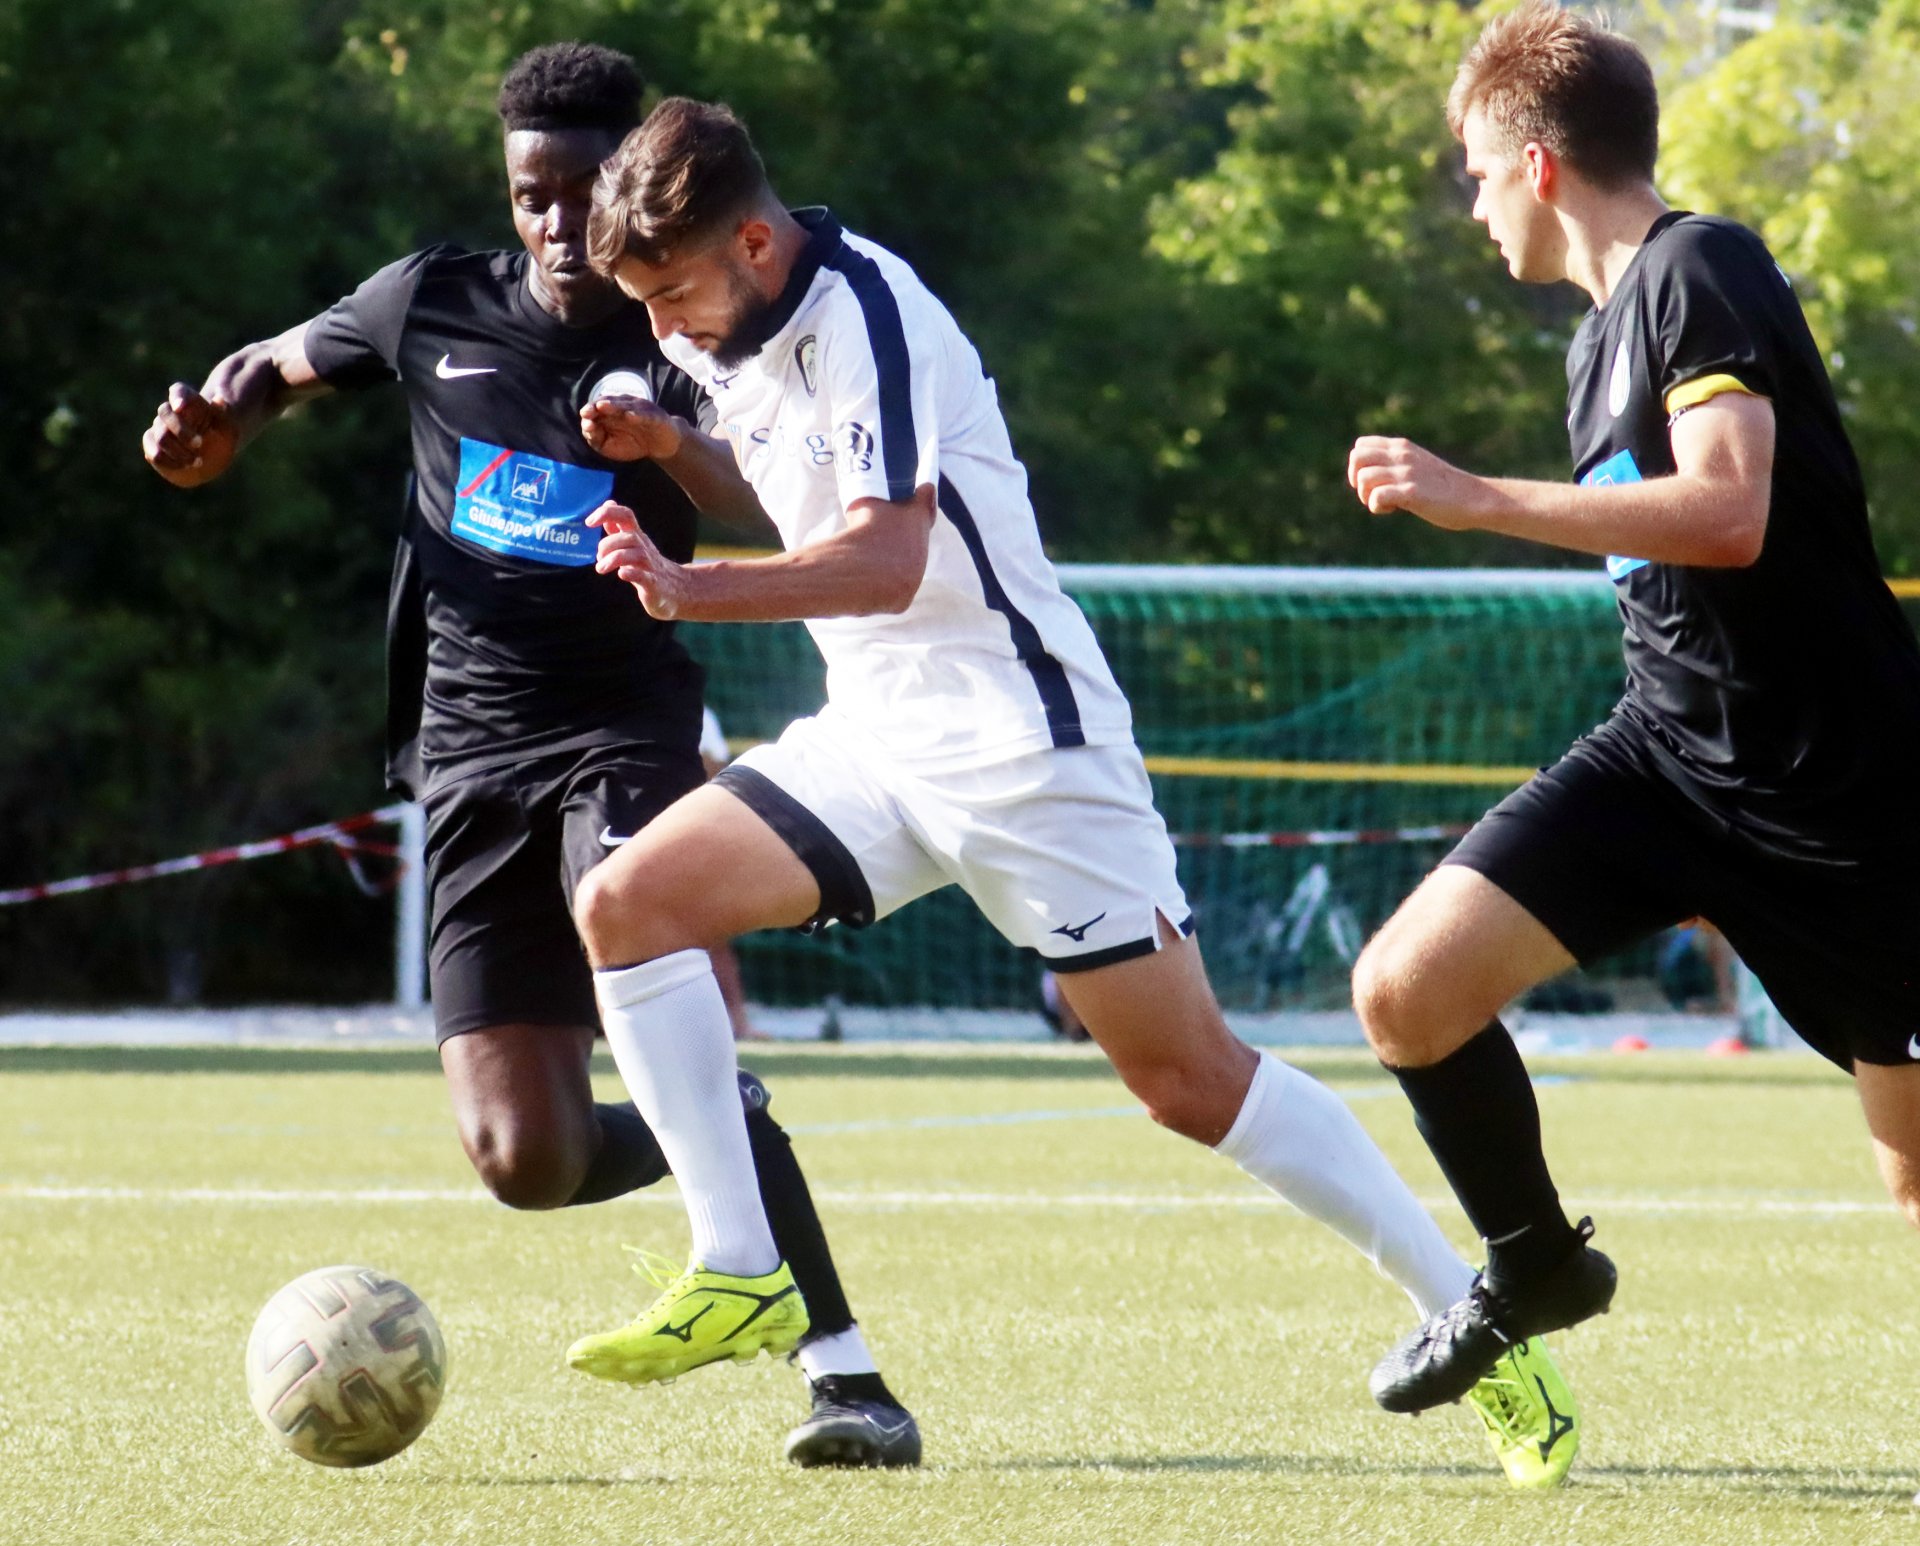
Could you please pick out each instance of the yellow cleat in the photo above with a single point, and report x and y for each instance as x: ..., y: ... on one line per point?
x: 701, y: 1317
x: 1527, y: 1409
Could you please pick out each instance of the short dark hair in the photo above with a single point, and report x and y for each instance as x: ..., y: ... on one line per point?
x: 685, y: 172
x: 571, y: 86
x: 1546, y: 74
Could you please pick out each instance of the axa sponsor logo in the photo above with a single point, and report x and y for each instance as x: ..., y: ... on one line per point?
x: 530, y: 483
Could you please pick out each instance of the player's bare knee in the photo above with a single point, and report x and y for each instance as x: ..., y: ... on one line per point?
x: 527, y: 1175
x: 1196, y: 1102
x: 1383, y: 996
x: 620, y: 920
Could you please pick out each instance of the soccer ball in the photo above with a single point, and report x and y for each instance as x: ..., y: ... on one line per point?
x: 345, y: 1366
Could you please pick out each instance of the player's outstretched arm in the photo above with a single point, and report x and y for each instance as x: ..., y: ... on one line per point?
x: 1710, y: 513
x: 195, y: 435
x: 873, y: 565
x: 627, y: 429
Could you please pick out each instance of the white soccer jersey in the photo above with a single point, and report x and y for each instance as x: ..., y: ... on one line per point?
x: 867, y: 389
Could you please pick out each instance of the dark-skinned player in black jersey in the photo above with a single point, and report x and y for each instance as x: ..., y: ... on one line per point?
x: 1760, y: 769
x: 537, y: 713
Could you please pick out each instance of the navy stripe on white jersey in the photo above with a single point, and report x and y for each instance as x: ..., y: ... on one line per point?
x: 868, y: 391
x: 892, y: 365
x: 1056, y: 691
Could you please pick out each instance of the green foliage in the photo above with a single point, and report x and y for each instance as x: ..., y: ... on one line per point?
x: 191, y: 669
x: 1337, y: 286
x: 1808, y: 134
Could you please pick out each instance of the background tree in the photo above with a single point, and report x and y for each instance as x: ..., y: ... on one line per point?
x: 1809, y: 133
x: 1335, y: 285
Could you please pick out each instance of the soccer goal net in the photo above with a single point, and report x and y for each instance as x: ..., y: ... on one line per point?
x: 1317, y: 739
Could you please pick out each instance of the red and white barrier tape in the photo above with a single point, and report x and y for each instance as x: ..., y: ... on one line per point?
x: 340, y: 835
x: 337, y: 833
x: 1352, y: 837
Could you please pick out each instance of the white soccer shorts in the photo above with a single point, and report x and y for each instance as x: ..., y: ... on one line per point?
x: 1061, y: 848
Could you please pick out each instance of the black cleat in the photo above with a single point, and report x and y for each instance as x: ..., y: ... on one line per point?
x: 847, y: 1429
x: 1445, y: 1358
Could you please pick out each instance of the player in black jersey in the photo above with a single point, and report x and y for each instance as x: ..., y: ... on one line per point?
x: 1759, y: 770
x: 538, y: 714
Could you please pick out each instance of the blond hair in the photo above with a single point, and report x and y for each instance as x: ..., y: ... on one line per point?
x: 1548, y: 75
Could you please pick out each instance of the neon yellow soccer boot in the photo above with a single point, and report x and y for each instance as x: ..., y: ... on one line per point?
x: 1526, y: 1406
x: 701, y: 1317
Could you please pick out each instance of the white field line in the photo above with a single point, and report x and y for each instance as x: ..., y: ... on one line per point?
x: 1730, y: 1204
x: 1067, y: 1113
x: 1727, y: 1204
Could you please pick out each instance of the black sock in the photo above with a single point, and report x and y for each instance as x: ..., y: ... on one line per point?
x: 796, y: 1226
x: 864, y: 1387
x: 1475, y: 1108
x: 629, y: 1157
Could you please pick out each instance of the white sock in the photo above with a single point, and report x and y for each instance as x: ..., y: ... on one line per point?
x: 1298, y: 1137
x: 845, y: 1352
x: 670, y: 1035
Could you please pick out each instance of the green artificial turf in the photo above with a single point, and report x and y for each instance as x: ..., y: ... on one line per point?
x: 1107, y: 1333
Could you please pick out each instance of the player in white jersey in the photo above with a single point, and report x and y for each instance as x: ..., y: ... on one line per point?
x: 973, y: 735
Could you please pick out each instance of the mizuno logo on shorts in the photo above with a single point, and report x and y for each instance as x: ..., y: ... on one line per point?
x: 1077, y: 932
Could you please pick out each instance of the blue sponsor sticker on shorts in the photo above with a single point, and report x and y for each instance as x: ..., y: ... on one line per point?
x: 527, y: 506
x: 1618, y: 468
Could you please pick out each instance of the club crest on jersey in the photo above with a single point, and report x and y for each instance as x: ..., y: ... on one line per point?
x: 1620, y: 383
x: 621, y: 383
x: 806, y: 354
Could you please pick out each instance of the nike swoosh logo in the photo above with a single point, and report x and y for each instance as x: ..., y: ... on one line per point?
x: 613, y: 839
x: 446, y: 370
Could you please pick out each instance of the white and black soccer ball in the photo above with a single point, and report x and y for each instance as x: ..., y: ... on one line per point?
x: 345, y: 1366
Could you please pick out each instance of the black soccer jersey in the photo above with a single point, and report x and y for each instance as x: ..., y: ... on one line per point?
x: 1785, y: 696
x: 503, y: 642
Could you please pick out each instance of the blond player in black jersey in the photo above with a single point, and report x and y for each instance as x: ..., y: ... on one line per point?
x: 1759, y: 770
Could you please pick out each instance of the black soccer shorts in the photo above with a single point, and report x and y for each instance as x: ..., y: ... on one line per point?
x: 1604, y: 849
x: 505, y: 849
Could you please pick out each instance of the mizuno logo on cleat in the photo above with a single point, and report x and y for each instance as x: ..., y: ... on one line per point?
x: 1558, y: 1427
x: 1077, y: 932
x: 684, y: 1331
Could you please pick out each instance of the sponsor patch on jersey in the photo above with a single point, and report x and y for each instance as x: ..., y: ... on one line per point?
x: 527, y: 506
x: 1618, y: 468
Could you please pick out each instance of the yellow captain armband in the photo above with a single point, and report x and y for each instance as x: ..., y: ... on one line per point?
x: 1691, y: 394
